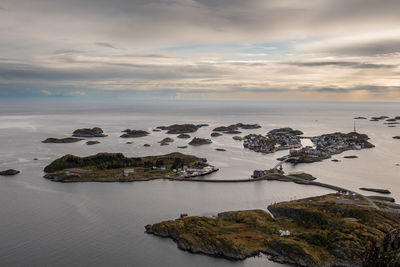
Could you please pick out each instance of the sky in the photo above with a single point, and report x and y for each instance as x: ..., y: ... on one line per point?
x: 306, y: 50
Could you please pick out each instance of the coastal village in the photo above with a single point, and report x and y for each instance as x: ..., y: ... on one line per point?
x: 275, y: 140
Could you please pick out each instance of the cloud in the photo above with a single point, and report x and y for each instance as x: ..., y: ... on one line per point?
x: 106, y: 45
x: 247, y: 47
x: 348, y: 64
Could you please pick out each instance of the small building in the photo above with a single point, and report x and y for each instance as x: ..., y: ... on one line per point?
x: 284, y: 232
x: 128, y: 171
x: 183, y: 215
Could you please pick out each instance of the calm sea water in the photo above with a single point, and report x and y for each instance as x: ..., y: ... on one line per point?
x: 43, y: 223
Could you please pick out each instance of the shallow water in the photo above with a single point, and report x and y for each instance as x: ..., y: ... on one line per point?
x: 51, y: 224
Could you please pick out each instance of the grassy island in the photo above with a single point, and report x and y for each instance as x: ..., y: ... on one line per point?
x: 329, y: 230
x: 115, y: 167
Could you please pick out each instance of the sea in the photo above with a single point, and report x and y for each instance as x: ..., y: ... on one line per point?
x: 44, y: 223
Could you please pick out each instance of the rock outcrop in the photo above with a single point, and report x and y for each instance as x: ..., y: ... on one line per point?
x: 199, y: 141
x: 128, y: 133
x: 9, y: 172
x: 62, y: 140
x: 181, y: 128
x: 87, y: 132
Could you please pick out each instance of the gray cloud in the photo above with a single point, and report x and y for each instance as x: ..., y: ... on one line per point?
x: 371, y: 48
x: 201, y: 43
x: 347, y: 64
x: 106, y: 45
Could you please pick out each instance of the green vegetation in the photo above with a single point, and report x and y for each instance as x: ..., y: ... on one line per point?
x: 323, y: 231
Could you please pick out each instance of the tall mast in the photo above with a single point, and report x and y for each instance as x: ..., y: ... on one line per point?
x: 355, y: 126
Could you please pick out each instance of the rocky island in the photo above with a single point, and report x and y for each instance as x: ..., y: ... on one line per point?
x: 87, y: 132
x: 233, y: 129
x: 166, y: 141
x: 9, y: 172
x: 181, y: 128
x: 215, y: 134
x: 91, y: 143
x: 128, y: 133
x: 62, y: 140
x: 329, y: 230
x: 115, y: 167
x: 327, y: 145
x: 276, y: 139
x: 183, y: 136
x: 199, y: 141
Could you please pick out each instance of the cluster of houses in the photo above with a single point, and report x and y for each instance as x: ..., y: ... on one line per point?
x: 336, y: 143
x: 187, y: 172
x: 262, y: 173
x: 271, y: 143
x: 183, y: 172
x: 286, y: 141
x: 309, y: 152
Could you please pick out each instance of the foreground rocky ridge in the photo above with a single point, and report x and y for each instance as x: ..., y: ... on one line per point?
x: 329, y: 230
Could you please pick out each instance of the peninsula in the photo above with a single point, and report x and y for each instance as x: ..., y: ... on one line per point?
x: 329, y: 230
x: 115, y: 167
